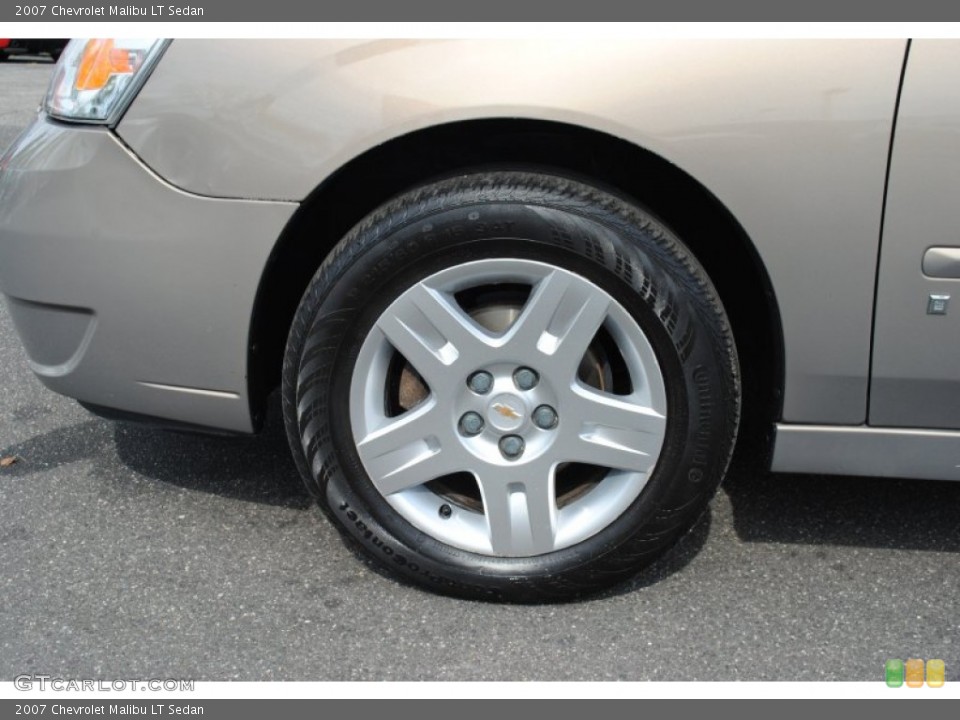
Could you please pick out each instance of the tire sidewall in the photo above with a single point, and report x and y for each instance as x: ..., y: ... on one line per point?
x: 613, y: 244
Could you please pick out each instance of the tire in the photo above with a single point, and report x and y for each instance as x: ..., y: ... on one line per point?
x: 511, y: 386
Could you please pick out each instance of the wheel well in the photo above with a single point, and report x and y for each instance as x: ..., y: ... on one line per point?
x: 698, y: 218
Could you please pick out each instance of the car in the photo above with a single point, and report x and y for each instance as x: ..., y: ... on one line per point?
x: 52, y: 47
x: 523, y: 299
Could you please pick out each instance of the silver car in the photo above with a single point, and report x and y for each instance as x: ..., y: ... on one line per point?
x: 524, y: 300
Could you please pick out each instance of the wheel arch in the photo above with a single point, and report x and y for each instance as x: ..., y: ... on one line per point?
x: 712, y: 233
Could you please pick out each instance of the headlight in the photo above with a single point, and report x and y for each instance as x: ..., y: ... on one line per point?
x: 96, y: 79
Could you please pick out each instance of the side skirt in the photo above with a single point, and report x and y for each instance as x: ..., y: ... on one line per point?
x: 880, y: 452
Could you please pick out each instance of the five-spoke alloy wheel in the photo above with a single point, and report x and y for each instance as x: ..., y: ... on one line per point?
x: 508, y: 407
x: 511, y: 386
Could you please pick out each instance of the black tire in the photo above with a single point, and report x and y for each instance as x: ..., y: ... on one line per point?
x: 603, y: 238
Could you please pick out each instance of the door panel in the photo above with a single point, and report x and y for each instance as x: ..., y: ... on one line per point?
x: 916, y: 365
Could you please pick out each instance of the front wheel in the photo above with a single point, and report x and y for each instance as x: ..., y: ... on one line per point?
x: 511, y: 386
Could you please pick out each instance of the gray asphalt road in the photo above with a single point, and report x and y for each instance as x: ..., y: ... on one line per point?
x: 131, y: 552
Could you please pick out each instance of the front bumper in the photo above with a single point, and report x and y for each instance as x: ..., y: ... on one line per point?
x: 127, y: 292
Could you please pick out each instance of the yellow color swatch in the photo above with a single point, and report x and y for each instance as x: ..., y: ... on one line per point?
x: 935, y: 673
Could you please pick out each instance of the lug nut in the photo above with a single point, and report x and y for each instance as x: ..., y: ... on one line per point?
x: 471, y: 424
x: 511, y: 446
x: 480, y: 382
x: 545, y: 417
x: 525, y: 378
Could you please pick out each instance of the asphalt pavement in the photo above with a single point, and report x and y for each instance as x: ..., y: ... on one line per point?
x: 127, y: 551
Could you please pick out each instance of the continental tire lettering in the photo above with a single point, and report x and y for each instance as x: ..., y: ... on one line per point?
x: 367, y: 533
x: 701, y: 448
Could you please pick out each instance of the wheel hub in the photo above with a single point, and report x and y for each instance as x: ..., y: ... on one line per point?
x: 509, y: 418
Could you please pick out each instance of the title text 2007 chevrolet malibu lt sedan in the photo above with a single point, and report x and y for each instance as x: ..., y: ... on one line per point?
x: 523, y: 298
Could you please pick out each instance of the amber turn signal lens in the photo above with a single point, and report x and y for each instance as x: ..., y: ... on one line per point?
x: 101, y: 59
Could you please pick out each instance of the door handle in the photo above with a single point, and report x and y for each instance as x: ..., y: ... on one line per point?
x: 942, y: 262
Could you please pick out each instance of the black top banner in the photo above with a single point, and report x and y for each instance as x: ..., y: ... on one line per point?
x: 487, y: 11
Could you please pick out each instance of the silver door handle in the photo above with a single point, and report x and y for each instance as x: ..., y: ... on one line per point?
x: 942, y: 262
